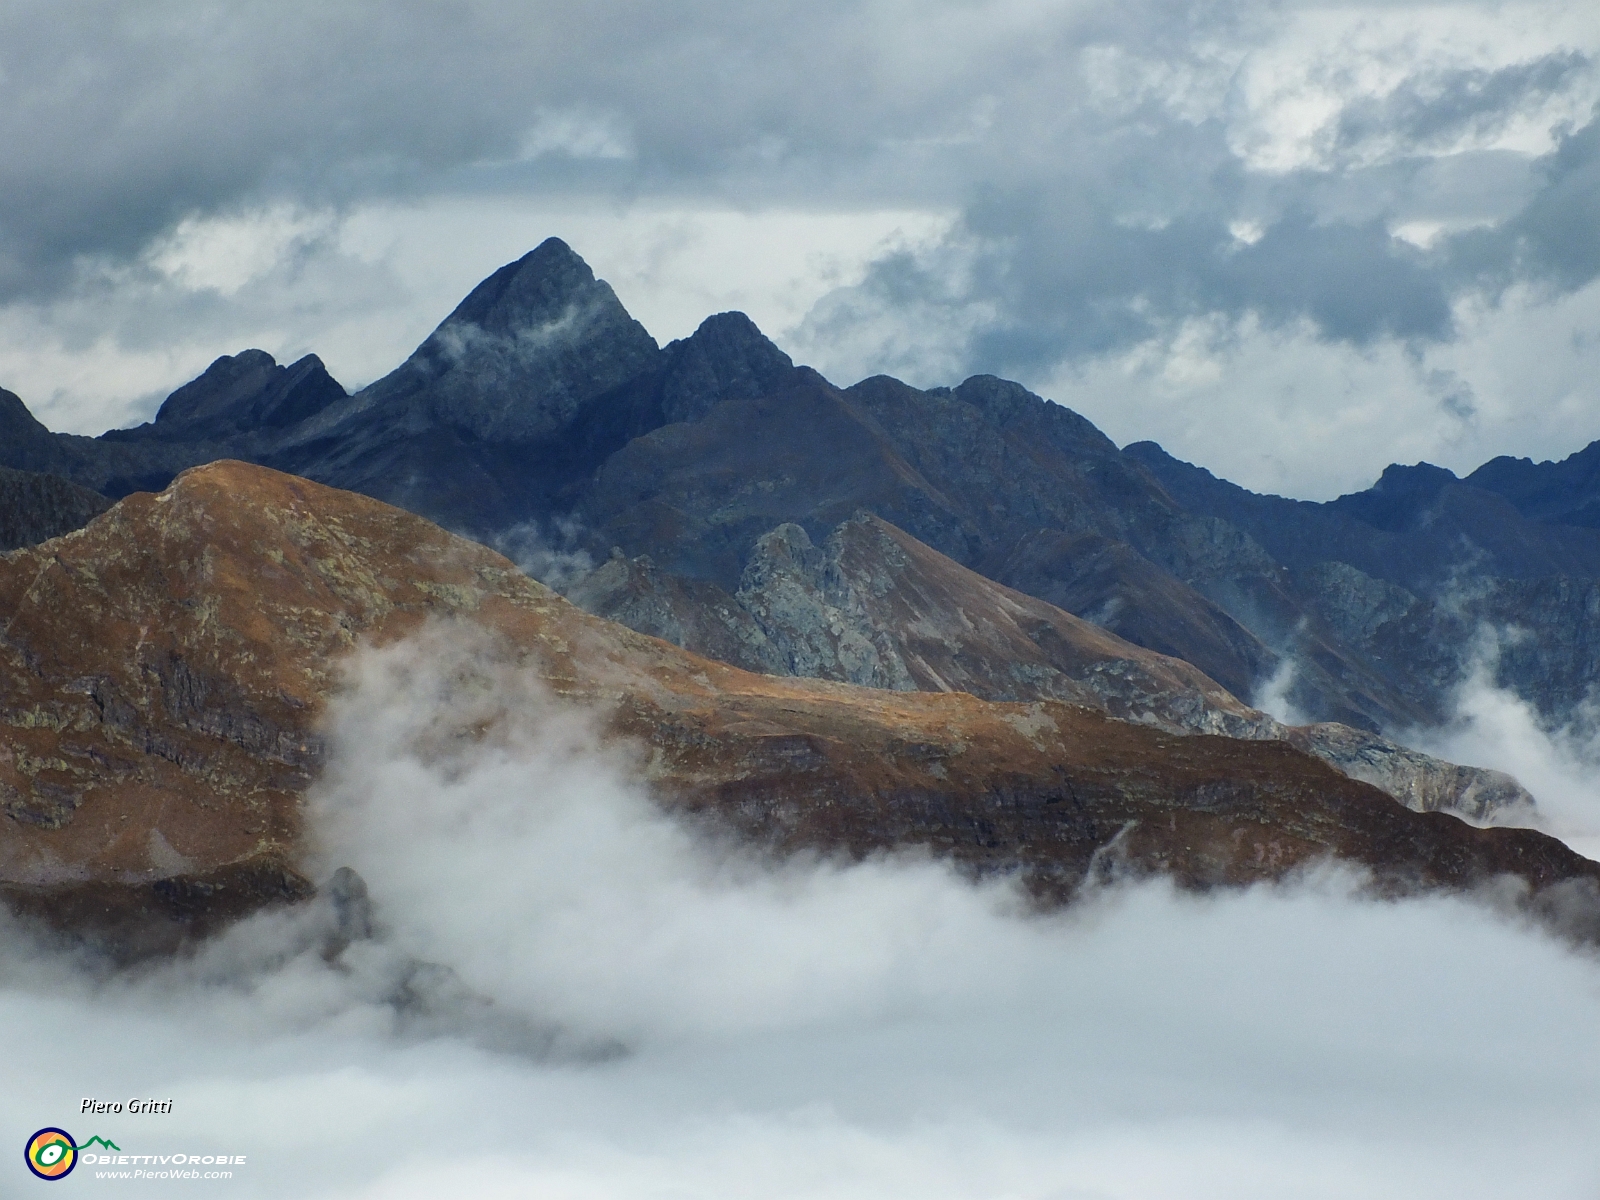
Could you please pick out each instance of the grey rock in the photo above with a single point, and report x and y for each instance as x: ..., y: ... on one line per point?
x: 728, y: 358
x: 873, y: 606
x: 1417, y: 780
x: 352, y: 910
x: 693, y: 614
x: 241, y: 394
x: 35, y: 507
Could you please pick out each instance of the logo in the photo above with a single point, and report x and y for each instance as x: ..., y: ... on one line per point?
x: 51, y: 1154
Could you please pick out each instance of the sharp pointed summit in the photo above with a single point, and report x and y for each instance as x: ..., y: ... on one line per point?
x: 524, y: 351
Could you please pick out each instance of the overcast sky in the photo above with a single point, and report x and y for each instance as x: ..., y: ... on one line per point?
x: 1290, y: 242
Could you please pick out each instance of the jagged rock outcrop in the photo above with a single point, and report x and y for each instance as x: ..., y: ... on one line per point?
x: 1540, y: 638
x: 874, y: 606
x: 728, y: 358
x: 237, y: 407
x: 515, y: 362
x: 238, y: 395
x: 1410, y: 575
x: 1417, y: 780
x: 162, y: 672
x: 36, y: 507
x: 690, y: 613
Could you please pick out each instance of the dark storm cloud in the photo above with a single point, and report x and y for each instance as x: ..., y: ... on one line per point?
x: 1093, y: 153
x: 119, y: 120
x: 1160, y: 219
x: 1049, y: 271
x: 1097, y: 285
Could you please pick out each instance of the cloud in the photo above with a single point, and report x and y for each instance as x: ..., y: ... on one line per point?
x: 1273, y: 695
x: 1442, y: 109
x: 1557, y: 760
x: 1552, y: 240
x: 546, y: 552
x: 1283, y: 410
x: 328, y: 105
x: 800, y: 1030
x: 1035, y: 190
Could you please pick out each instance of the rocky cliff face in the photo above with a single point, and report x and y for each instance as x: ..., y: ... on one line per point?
x: 875, y: 607
x: 164, y: 669
x: 514, y: 362
x: 1419, y: 576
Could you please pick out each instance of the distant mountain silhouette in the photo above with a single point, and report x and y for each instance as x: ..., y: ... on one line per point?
x: 540, y: 415
x: 1555, y: 493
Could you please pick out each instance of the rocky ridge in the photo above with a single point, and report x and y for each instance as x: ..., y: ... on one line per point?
x: 875, y: 607
x: 165, y: 668
x: 540, y: 405
x: 540, y: 402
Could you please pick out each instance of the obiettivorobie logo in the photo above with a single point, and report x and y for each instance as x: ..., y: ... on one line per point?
x: 51, y: 1153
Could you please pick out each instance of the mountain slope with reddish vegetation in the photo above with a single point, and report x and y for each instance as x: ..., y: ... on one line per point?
x: 164, y: 670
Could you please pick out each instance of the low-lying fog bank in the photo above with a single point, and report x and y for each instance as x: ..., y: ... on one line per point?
x: 568, y: 994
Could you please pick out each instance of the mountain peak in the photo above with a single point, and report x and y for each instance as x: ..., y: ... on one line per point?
x: 527, y: 347
x: 1424, y: 477
x: 17, y: 424
x: 538, y: 285
x: 230, y: 375
x: 727, y: 358
x: 247, y: 391
x: 1009, y: 404
x: 1397, y: 500
x: 1556, y: 493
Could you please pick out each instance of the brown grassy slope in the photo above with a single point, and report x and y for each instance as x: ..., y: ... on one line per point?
x: 163, y: 670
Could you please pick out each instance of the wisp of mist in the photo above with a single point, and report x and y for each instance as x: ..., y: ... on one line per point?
x: 571, y: 993
x: 1557, y: 761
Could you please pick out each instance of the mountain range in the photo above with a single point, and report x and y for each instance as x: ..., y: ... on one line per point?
x: 165, y: 671
x: 976, y: 542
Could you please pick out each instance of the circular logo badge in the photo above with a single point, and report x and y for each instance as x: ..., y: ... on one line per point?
x: 51, y: 1154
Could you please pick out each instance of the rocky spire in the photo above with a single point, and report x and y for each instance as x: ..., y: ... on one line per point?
x: 526, y: 348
